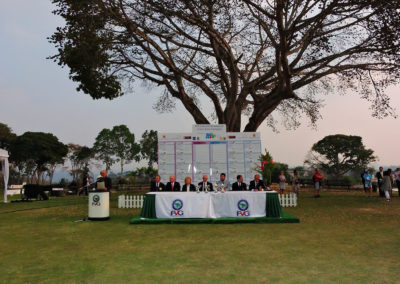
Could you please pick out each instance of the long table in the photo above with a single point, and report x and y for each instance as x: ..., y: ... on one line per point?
x: 239, y: 204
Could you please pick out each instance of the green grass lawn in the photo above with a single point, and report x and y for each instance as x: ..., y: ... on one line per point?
x: 341, y: 238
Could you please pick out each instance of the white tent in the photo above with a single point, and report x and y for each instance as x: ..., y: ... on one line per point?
x: 4, y: 163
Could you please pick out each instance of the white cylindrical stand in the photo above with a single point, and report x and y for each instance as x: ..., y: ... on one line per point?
x: 99, y: 205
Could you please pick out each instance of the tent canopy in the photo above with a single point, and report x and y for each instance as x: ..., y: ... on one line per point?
x: 4, y: 164
x: 3, y: 154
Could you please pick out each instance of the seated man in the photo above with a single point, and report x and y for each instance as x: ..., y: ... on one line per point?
x: 224, y: 182
x: 157, y: 185
x: 257, y: 184
x: 205, y: 185
x: 103, y: 182
x: 172, y: 185
x: 188, y: 186
x: 239, y: 185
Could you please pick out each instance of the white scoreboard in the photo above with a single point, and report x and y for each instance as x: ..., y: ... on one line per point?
x: 210, y: 150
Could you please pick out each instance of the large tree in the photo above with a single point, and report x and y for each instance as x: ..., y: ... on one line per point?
x: 246, y: 57
x: 37, y: 151
x: 103, y: 147
x: 6, y: 136
x: 116, y: 145
x: 80, y: 157
x: 125, y: 148
x: 338, y: 154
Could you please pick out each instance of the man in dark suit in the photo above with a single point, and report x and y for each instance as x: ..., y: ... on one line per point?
x: 188, y: 186
x: 157, y: 185
x: 257, y: 183
x: 103, y: 182
x: 205, y: 184
x: 172, y: 185
x: 379, y: 177
x: 239, y: 185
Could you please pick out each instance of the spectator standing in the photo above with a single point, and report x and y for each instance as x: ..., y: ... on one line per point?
x: 387, y: 184
x: 86, y: 183
x: 397, y: 179
x: 367, y: 183
x: 295, y: 182
x: 282, y: 182
x: 379, y: 177
x: 317, y: 179
x: 363, y: 179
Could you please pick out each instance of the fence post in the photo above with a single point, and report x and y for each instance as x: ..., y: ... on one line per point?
x: 120, y: 201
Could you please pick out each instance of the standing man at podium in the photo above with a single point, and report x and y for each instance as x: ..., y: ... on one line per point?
x: 157, y: 185
x: 103, y: 182
x: 205, y: 185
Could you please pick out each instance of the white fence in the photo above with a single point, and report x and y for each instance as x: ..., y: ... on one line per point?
x: 129, y: 201
x: 136, y: 201
x: 288, y: 200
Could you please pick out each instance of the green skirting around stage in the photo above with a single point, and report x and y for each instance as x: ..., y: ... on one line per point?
x: 286, y: 218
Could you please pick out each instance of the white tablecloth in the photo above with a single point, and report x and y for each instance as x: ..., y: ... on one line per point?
x: 241, y: 204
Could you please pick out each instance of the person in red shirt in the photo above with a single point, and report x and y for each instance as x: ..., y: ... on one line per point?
x: 317, y: 179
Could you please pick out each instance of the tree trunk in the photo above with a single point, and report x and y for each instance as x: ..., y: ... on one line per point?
x: 262, y: 110
x: 122, y: 167
x: 39, y: 177
x: 51, y: 174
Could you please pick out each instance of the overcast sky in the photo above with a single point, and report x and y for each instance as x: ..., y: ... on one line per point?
x: 37, y: 95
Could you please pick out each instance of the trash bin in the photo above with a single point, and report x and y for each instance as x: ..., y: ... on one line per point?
x: 99, y: 205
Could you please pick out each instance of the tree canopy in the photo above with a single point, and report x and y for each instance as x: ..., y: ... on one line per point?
x: 6, y: 136
x: 103, y: 147
x: 125, y: 148
x: 149, y: 146
x: 339, y: 154
x: 79, y: 157
x: 246, y: 57
x: 38, y: 151
x: 116, y: 145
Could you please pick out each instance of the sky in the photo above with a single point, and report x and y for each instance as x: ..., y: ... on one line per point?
x: 36, y: 94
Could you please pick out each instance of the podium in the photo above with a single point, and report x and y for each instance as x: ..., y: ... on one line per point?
x: 99, y: 205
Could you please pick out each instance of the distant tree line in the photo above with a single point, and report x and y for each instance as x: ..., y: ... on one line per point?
x: 34, y: 156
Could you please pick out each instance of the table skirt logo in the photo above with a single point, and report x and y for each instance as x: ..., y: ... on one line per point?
x: 96, y: 200
x: 243, y: 205
x: 177, y: 206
